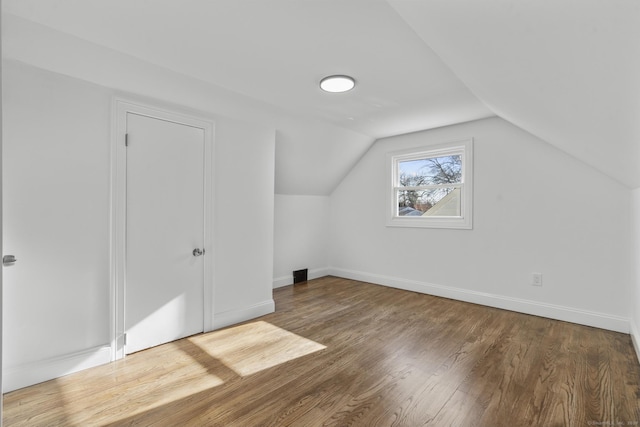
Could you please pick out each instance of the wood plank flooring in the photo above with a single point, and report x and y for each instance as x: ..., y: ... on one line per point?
x: 344, y: 353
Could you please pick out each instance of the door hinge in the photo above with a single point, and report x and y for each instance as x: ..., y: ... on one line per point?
x: 125, y: 339
x: 126, y: 139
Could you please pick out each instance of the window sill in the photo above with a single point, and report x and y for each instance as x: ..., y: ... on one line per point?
x: 445, y: 222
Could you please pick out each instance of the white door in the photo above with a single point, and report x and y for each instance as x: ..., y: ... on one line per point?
x: 164, y: 232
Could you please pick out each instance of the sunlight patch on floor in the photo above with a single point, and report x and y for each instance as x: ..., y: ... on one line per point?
x: 131, y: 386
x: 159, y: 378
x: 136, y: 398
x: 255, y: 346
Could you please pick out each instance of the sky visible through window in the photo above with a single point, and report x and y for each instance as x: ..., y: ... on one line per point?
x: 412, y: 167
x: 437, y: 170
x: 441, y: 171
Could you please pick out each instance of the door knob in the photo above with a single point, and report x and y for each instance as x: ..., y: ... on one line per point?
x: 8, y: 260
x: 198, y: 252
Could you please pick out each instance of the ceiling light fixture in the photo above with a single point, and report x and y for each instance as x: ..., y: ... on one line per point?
x: 336, y: 84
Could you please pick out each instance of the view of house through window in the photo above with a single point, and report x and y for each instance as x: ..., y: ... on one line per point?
x: 431, y: 186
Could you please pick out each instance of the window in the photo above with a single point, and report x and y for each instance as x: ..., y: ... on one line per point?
x: 431, y: 186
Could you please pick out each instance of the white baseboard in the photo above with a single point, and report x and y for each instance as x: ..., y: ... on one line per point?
x: 279, y: 282
x: 15, y: 377
x: 231, y: 317
x: 635, y: 338
x: 316, y: 273
x: 551, y: 311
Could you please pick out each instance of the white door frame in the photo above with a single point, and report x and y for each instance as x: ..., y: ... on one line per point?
x: 120, y: 109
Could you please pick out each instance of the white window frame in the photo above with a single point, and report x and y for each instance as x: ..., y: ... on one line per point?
x: 464, y: 148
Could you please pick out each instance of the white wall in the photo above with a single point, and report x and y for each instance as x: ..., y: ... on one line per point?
x: 635, y: 262
x: 57, y: 206
x: 1, y: 222
x: 243, y: 266
x: 301, y: 237
x: 536, y: 209
x: 56, y: 217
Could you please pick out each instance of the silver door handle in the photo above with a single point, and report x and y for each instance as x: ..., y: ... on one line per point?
x: 8, y: 260
x: 198, y: 252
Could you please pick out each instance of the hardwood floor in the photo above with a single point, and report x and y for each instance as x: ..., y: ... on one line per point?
x: 345, y: 353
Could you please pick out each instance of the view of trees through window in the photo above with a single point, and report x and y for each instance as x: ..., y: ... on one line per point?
x: 427, y: 182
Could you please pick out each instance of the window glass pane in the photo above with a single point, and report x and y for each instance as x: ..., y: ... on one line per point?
x: 435, y: 170
x: 443, y: 201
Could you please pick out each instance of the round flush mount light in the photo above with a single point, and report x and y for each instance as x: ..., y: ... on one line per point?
x: 336, y: 84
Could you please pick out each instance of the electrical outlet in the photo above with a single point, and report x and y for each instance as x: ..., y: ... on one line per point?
x: 536, y: 279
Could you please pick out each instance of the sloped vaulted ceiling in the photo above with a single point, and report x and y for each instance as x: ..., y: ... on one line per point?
x: 564, y: 70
